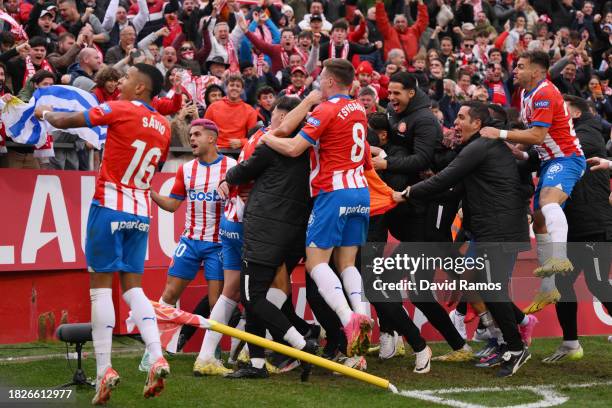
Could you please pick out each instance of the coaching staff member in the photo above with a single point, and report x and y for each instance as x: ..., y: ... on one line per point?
x: 494, y: 212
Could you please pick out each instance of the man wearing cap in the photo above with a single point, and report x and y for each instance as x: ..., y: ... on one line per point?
x: 300, y: 83
x: 316, y: 11
x: 41, y: 23
x: 197, y: 182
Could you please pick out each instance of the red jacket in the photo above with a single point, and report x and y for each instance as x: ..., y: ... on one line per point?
x: 407, y: 40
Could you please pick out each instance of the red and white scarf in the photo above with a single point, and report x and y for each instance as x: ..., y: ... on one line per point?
x: 344, y: 53
x: 292, y: 90
x: 232, y: 57
x: 30, y: 69
x: 285, y: 56
x: 258, y: 63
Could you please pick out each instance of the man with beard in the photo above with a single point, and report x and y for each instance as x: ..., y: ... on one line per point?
x: 494, y: 214
x: 417, y: 130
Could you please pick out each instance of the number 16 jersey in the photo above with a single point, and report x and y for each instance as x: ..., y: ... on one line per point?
x: 137, y: 140
x: 337, y: 131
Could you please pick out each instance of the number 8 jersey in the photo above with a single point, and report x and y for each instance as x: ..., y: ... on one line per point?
x: 137, y: 140
x: 337, y: 130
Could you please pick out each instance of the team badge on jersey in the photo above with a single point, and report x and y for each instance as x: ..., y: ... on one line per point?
x: 105, y: 108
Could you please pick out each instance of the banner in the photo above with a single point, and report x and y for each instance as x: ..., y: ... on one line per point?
x: 45, y: 213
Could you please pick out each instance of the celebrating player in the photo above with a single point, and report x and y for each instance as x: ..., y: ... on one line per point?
x: 550, y: 128
x: 197, y: 182
x: 118, y: 224
x: 336, y: 131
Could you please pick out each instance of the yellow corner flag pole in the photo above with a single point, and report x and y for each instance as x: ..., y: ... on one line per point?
x: 301, y: 355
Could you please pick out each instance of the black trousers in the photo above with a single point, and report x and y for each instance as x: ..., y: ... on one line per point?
x: 391, y: 314
x: 414, y: 229
x: 506, y: 314
x: 593, y: 258
x: 261, y: 314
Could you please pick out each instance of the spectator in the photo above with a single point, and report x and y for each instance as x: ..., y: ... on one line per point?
x: 27, y: 157
x: 603, y: 103
x: 233, y: 116
x: 368, y: 98
x: 88, y: 63
x: 300, y: 84
x: 265, y: 103
x: 67, y: 50
x: 116, y: 19
x: 498, y: 92
x: 400, y: 35
x: 316, y: 9
x: 41, y: 23
x: 73, y: 21
x: 106, y: 88
x: 25, y: 60
x: 168, y: 60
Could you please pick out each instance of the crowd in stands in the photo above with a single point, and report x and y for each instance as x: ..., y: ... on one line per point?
x: 228, y: 60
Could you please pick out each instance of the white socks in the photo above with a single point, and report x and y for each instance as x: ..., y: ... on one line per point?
x: 221, y: 312
x: 556, y: 225
x: 573, y: 344
x: 351, y: 280
x: 330, y: 289
x: 544, y: 250
x: 102, y: 324
x: 294, y: 338
x: 277, y: 297
x: 144, y: 315
x: 161, y: 302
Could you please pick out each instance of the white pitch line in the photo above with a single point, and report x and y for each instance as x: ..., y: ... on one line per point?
x: 550, y: 397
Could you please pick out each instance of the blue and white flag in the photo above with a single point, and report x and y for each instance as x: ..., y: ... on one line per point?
x: 23, y: 127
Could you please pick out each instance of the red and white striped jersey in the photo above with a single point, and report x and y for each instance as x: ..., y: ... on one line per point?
x: 337, y: 131
x: 544, y: 106
x: 137, y: 140
x: 197, y: 182
x: 234, y: 206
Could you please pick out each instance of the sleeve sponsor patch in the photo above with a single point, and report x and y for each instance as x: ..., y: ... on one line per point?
x: 105, y: 108
x: 541, y: 104
x: 313, y: 121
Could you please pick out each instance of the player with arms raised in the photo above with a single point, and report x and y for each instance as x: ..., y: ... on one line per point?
x: 338, y: 225
x: 551, y: 130
x: 118, y: 225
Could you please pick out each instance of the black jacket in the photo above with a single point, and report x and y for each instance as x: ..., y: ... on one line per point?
x: 277, y: 209
x: 418, y: 133
x: 493, y: 208
x: 587, y: 210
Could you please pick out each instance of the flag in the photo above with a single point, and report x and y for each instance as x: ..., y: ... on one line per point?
x: 16, y: 28
x: 23, y: 127
x: 170, y: 321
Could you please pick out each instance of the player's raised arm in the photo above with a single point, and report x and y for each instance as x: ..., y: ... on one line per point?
x: 61, y: 120
x: 292, y: 147
x: 293, y: 119
x: 532, y: 136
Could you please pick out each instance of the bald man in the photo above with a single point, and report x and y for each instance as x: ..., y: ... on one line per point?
x: 87, y: 63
